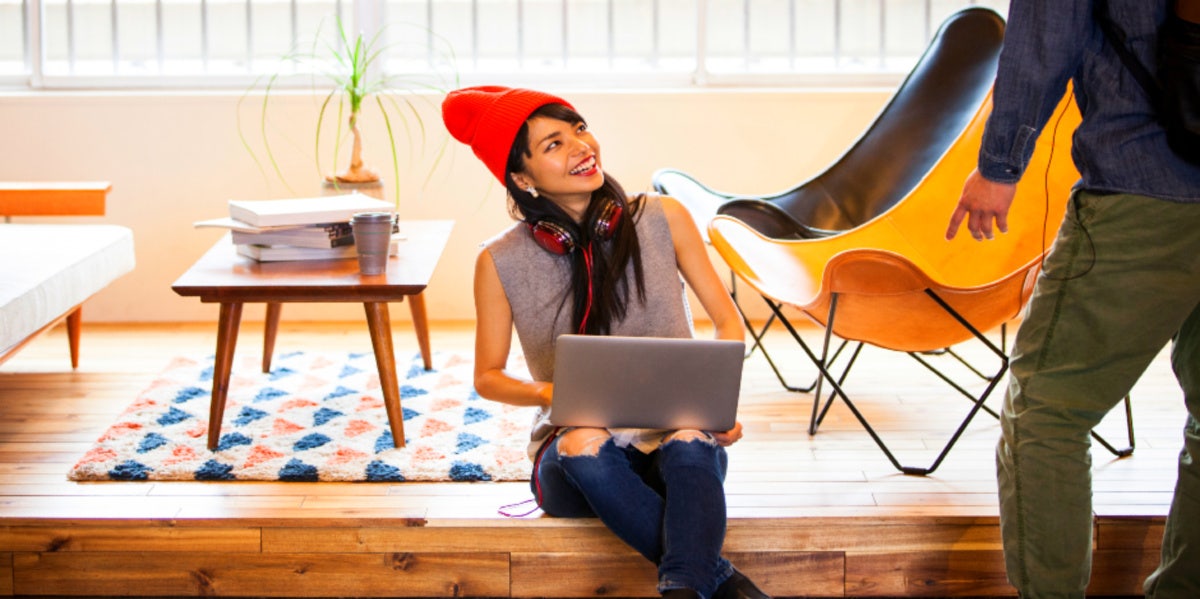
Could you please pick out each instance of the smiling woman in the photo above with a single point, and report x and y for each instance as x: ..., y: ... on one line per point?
x: 585, y: 258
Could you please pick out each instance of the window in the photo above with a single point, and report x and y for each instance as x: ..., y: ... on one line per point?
x: 227, y: 43
x: 14, y: 54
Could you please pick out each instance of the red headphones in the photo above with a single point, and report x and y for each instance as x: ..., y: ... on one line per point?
x: 559, y: 240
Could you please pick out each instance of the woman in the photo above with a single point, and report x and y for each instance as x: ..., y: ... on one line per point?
x: 586, y: 258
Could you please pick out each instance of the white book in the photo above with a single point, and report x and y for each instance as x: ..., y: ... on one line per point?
x: 304, y: 211
x: 280, y: 253
x: 232, y: 224
x: 312, y: 236
x: 284, y: 253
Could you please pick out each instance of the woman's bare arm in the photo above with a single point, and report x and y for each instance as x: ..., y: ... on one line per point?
x: 699, y: 273
x: 493, y: 341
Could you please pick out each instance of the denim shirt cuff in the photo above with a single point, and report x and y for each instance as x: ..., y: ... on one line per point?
x: 1002, y: 157
x: 999, y: 172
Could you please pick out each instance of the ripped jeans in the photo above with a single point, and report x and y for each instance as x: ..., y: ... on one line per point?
x: 669, y: 505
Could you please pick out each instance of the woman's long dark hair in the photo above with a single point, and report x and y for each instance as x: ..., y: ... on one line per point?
x: 610, y: 287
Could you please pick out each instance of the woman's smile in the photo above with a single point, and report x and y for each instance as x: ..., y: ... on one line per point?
x: 586, y: 168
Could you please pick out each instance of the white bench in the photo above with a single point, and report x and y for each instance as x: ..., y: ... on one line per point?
x: 47, y: 271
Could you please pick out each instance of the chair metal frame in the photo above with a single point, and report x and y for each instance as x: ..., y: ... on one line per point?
x: 759, y: 335
x: 825, y: 361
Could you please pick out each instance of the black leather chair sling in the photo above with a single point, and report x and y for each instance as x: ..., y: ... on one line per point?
x: 929, y: 110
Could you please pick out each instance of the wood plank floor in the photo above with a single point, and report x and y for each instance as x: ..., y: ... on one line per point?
x: 823, y: 515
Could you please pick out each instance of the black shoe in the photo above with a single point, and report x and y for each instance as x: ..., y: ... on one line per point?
x: 739, y: 587
x: 681, y: 594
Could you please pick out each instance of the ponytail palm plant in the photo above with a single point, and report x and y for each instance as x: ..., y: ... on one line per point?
x: 358, y: 85
x: 355, y: 86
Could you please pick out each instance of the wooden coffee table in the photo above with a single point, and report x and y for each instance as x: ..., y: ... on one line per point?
x: 222, y: 276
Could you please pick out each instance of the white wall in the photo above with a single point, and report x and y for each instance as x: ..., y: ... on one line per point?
x: 176, y: 158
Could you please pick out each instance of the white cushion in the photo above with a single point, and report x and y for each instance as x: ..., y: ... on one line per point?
x: 47, y: 269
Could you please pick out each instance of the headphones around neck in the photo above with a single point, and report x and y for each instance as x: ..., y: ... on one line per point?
x: 560, y: 240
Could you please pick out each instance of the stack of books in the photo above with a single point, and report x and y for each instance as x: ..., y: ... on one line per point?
x: 296, y: 228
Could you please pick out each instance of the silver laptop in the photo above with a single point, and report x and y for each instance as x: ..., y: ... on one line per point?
x: 646, y: 382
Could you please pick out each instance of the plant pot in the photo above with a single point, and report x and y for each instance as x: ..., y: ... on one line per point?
x: 371, y: 188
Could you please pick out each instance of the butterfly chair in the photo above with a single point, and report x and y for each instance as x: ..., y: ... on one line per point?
x: 897, y: 284
x: 927, y: 113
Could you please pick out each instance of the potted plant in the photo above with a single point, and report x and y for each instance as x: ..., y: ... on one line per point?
x: 351, y: 66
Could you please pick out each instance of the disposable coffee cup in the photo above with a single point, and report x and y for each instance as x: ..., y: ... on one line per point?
x: 372, y: 238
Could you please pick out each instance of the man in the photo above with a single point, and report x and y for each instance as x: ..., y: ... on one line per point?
x: 1122, y: 278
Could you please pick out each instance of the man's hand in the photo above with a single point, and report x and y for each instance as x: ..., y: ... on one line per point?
x: 983, y: 201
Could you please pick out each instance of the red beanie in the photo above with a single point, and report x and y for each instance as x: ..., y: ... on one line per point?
x: 488, y: 117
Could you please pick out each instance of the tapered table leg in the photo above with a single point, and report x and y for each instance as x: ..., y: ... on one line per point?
x: 416, y: 305
x: 227, y: 332
x: 74, y: 322
x: 270, y: 327
x: 380, y: 325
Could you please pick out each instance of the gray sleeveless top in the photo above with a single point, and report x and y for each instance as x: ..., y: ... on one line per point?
x: 537, y: 284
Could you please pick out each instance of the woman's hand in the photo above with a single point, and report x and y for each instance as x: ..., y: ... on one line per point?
x: 729, y: 437
x: 545, y: 393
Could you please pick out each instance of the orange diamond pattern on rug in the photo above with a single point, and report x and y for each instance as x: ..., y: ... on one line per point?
x: 314, y: 417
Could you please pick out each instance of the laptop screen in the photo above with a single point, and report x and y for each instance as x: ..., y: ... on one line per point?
x: 646, y: 382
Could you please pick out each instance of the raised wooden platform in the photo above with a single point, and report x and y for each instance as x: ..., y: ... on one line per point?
x: 822, y: 516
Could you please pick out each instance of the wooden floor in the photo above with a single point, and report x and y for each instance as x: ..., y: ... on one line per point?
x: 822, y: 515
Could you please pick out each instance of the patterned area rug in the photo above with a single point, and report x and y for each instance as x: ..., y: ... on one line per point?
x: 315, y: 417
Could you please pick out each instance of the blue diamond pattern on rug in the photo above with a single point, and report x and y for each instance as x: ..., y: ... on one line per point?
x: 314, y: 417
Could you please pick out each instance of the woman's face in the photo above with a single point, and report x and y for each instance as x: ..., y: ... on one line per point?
x: 564, y: 161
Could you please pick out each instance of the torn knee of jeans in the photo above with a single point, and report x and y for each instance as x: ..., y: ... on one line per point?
x: 582, y: 442
x: 687, y: 436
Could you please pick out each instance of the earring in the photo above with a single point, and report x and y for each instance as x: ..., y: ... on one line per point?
x: 532, y: 191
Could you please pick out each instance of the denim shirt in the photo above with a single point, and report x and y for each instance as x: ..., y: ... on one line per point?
x: 1119, y: 147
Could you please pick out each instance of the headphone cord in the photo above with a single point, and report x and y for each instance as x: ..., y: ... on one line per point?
x: 587, y: 307
x: 537, y: 483
x: 1046, y: 212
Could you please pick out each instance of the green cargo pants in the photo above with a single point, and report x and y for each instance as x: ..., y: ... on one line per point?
x: 1122, y: 279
